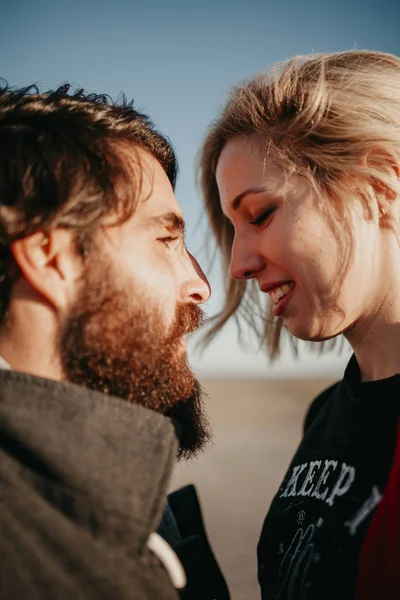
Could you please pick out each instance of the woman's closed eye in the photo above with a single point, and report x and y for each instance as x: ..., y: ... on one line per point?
x: 263, y: 217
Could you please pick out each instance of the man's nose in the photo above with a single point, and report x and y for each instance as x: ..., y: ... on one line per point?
x: 196, y: 288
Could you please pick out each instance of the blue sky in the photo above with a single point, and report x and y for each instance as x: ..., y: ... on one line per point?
x: 178, y: 60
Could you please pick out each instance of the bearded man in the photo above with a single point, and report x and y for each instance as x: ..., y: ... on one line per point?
x: 97, y: 291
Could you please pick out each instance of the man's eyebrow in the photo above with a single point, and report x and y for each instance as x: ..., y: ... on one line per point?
x: 171, y: 221
x: 235, y: 204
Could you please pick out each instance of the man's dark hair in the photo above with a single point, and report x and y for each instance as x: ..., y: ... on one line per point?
x: 67, y: 159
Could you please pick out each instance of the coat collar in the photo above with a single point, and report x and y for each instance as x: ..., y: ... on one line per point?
x: 117, y: 455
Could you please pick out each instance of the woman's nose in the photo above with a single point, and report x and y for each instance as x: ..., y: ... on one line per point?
x: 245, y: 263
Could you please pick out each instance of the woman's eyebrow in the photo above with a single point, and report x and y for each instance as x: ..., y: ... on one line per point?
x: 235, y: 204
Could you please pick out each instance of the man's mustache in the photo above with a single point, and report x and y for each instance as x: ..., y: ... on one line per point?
x: 189, y: 318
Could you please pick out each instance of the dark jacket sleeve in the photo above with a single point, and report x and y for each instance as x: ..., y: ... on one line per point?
x: 187, y: 536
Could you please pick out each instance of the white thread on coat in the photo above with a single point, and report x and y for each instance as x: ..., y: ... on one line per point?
x: 169, y: 559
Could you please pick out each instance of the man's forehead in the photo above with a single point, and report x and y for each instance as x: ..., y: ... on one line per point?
x: 155, y: 184
x: 160, y: 207
x: 160, y: 203
x: 156, y: 202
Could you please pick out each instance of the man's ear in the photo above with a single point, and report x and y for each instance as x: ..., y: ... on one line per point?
x: 50, y: 264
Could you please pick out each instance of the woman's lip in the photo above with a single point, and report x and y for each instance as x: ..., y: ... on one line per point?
x: 268, y: 287
x: 279, y: 308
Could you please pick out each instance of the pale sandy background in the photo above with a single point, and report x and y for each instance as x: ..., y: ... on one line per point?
x: 257, y: 426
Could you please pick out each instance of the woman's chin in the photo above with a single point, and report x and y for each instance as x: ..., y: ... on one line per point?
x: 313, y: 332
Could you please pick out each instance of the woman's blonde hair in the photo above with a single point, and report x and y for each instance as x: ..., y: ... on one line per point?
x: 331, y: 118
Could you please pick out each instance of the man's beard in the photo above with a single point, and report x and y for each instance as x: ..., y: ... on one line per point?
x: 112, y: 344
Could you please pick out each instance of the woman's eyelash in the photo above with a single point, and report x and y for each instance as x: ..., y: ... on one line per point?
x: 263, y: 217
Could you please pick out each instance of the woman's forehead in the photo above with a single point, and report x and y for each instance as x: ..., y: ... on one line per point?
x: 244, y: 166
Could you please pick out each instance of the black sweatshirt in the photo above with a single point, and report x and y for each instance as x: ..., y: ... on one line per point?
x: 315, y: 528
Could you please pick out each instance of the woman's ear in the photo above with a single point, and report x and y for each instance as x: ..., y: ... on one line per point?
x: 387, y: 188
x: 50, y: 264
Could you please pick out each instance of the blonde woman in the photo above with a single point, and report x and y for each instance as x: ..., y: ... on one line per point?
x: 301, y: 180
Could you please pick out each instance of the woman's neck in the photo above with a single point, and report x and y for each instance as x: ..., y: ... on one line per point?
x: 376, y: 343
